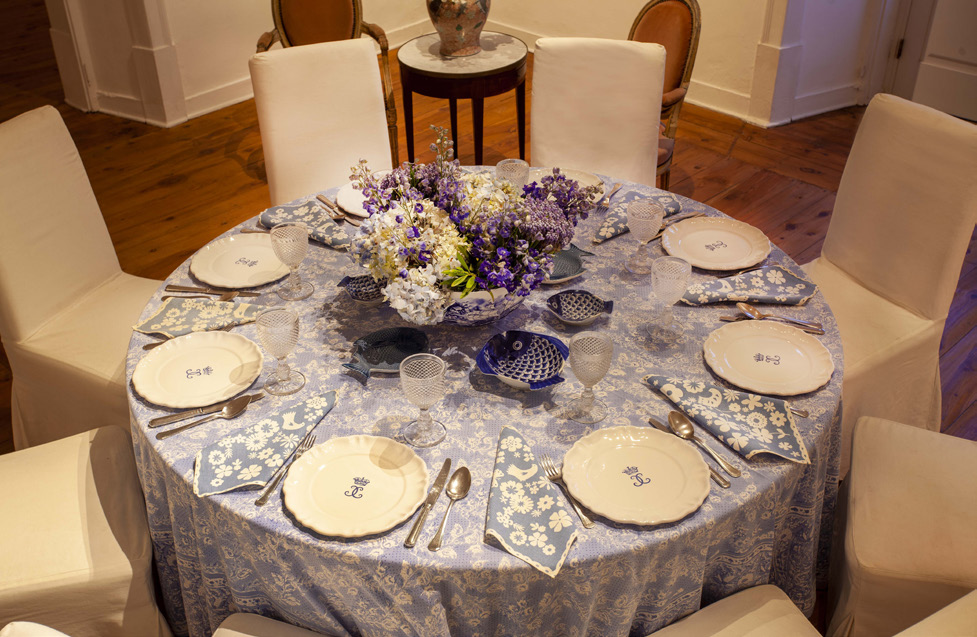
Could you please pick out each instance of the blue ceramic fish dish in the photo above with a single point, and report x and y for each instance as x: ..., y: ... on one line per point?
x: 524, y: 360
x: 362, y: 289
x: 567, y: 265
x: 383, y: 350
x: 578, y: 307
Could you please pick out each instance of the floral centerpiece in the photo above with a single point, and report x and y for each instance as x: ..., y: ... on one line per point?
x: 436, y: 234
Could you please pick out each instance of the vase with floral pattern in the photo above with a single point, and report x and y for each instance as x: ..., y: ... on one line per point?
x: 459, y: 24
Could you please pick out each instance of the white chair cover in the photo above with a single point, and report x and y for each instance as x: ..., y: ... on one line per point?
x: 762, y: 611
x: 902, y: 221
x: 909, y: 545
x: 75, y: 552
x: 246, y: 625
x: 66, y: 308
x: 596, y: 106
x: 320, y: 110
x: 29, y: 629
x: 959, y: 619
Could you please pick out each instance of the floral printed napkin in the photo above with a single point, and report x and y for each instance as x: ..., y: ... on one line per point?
x: 748, y: 423
x: 250, y: 455
x: 769, y: 284
x: 321, y: 226
x: 526, y: 512
x: 181, y: 315
x: 616, y: 221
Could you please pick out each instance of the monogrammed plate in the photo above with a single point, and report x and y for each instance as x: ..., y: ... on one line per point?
x: 355, y: 485
x: 716, y: 243
x: 238, y: 261
x: 636, y: 475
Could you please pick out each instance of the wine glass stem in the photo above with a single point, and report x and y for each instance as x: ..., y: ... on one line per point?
x: 283, y: 372
x: 587, y: 398
x: 667, y: 316
x: 424, y: 418
x: 294, y: 280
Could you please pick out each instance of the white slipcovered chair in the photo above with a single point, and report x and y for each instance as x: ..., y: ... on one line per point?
x: 959, y: 619
x: 596, y: 106
x: 75, y: 552
x: 247, y: 625
x: 908, y: 546
x: 66, y: 307
x: 902, y: 221
x: 320, y: 110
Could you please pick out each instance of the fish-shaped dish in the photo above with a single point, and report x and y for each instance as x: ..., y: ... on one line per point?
x: 567, y: 265
x: 382, y: 351
x: 578, y: 307
x: 524, y: 360
x: 363, y: 289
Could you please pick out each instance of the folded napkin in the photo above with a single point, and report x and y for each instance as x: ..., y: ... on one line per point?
x: 748, y: 423
x: 250, y: 455
x: 616, y: 221
x: 321, y: 226
x: 526, y: 511
x: 181, y: 315
x: 769, y: 284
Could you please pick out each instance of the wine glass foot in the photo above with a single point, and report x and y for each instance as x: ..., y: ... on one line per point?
x: 295, y: 382
x: 638, y: 265
x: 422, y: 434
x: 664, y: 333
x: 585, y: 412
x: 303, y: 291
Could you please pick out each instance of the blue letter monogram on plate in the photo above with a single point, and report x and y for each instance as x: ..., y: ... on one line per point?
x: 639, y: 480
x: 769, y: 359
x: 356, y: 491
x: 248, y: 262
x: 206, y: 371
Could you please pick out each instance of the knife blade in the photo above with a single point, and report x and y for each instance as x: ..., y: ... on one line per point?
x: 716, y: 476
x: 200, y: 411
x: 191, y: 288
x: 331, y: 208
x: 432, y: 497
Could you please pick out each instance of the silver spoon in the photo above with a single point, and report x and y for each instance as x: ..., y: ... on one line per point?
x: 752, y: 312
x: 680, y: 424
x: 232, y: 409
x: 458, y: 485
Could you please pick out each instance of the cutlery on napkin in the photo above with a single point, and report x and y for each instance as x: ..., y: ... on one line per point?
x: 183, y: 315
x: 199, y: 411
x: 715, y: 475
x: 769, y: 284
x: 322, y: 227
x: 252, y: 454
x: 202, y: 290
x: 747, y: 423
x: 616, y: 221
x: 525, y: 511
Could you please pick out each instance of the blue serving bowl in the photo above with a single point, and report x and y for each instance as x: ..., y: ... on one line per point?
x: 578, y: 307
x: 363, y: 289
x: 524, y: 360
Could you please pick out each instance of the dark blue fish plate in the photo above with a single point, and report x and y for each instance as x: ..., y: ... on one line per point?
x: 567, y: 265
x: 363, y: 289
x: 383, y: 350
x: 578, y: 307
x: 524, y: 360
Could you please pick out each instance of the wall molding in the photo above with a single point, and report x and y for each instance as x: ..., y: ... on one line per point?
x: 825, y: 100
x: 717, y: 98
x: 219, y: 97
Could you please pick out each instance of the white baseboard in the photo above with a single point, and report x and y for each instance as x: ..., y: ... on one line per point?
x: 125, y: 106
x: 397, y: 37
x: 220, y: 97
x: 717, y: 98
x: 823, y: 101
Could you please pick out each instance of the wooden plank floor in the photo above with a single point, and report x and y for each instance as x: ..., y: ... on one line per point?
x: 166, y: 192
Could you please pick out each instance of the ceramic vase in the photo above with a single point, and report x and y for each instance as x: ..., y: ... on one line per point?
x: 459, y: 24
x: 481, y: 307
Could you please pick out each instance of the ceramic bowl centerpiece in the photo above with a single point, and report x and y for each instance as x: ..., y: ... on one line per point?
x: 578, y: 307
x: 459, y: 24
x: 451, y: 246
x: 524, y: 360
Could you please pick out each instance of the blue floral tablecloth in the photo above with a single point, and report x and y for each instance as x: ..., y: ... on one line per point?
x: 220, y: 554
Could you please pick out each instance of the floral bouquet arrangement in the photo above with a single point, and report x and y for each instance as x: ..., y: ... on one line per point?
x: 435, y: 233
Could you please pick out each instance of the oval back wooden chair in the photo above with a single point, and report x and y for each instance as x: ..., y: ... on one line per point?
x: 675, y: 24
x: 299, y: 22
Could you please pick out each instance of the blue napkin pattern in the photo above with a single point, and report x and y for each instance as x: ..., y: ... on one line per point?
x: 250, y: 455
x: 526, y: 512
x: 616, y: 221
x: 321, y: 226
x: 181, y: 315
x: 769, y: 284
x: 748, y: 423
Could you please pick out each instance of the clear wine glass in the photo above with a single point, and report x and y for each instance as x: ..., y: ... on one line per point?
x: 644, y: 221
x: 669, y: 280
x: 278, y: 331
x: 515, y: 171
x: 590, y: 358
x: 290, y: 241
x: 422, y: 379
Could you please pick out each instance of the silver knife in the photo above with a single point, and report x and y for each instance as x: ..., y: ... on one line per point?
x: 716, y: 476
x: 432, y: 497
x: 200, y: 411
x: 191, y: 288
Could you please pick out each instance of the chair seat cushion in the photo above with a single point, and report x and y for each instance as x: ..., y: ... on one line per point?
x: 959, y: 619
x: 247, y: 625
x: 666, y: 147
x: 762, y: 611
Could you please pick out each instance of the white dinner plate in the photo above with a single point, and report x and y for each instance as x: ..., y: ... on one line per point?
x: 581, y: 177
x: 238, y: 261
x: 716, y: 243
x: 355, y: 486
x: 636, y: 475
x: 768, y: 358
x: 197, y: 369
x: 351, y: 199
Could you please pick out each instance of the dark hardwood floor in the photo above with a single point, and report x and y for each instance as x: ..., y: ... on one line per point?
x: 166, y: 192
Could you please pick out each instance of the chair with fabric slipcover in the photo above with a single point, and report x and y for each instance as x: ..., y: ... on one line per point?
x: 299, y: 22
x: 247, y: 625
x: 909, y: 518
x: 312, y: 132
x: 66, y: 307
x: 75, y: 552
x: 605, y: 125
x: 902, y: 221
x: 675, y: 24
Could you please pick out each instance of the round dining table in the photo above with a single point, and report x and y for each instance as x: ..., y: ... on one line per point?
x: 220, y: 554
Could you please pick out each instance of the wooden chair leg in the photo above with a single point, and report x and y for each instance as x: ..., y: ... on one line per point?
x: 664, y: 178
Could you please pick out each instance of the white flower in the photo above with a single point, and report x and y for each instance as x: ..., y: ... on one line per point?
x: 511, y: 443
x: 537, y: 539
x: 250, y: 472
x: 545, y: 503
x: 518, y: 538
x: 560, y: 520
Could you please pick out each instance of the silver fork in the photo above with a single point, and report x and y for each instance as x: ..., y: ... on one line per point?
x: 155, y: 344
x: 556, y: 476
x: 605, y: 203
x: 304, y: 446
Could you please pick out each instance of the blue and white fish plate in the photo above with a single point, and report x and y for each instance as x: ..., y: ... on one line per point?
x: 567, y: 265
x: 578, y: 307
x: 383, y: 350
x: 362, y: 289
x: 524, y: 360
